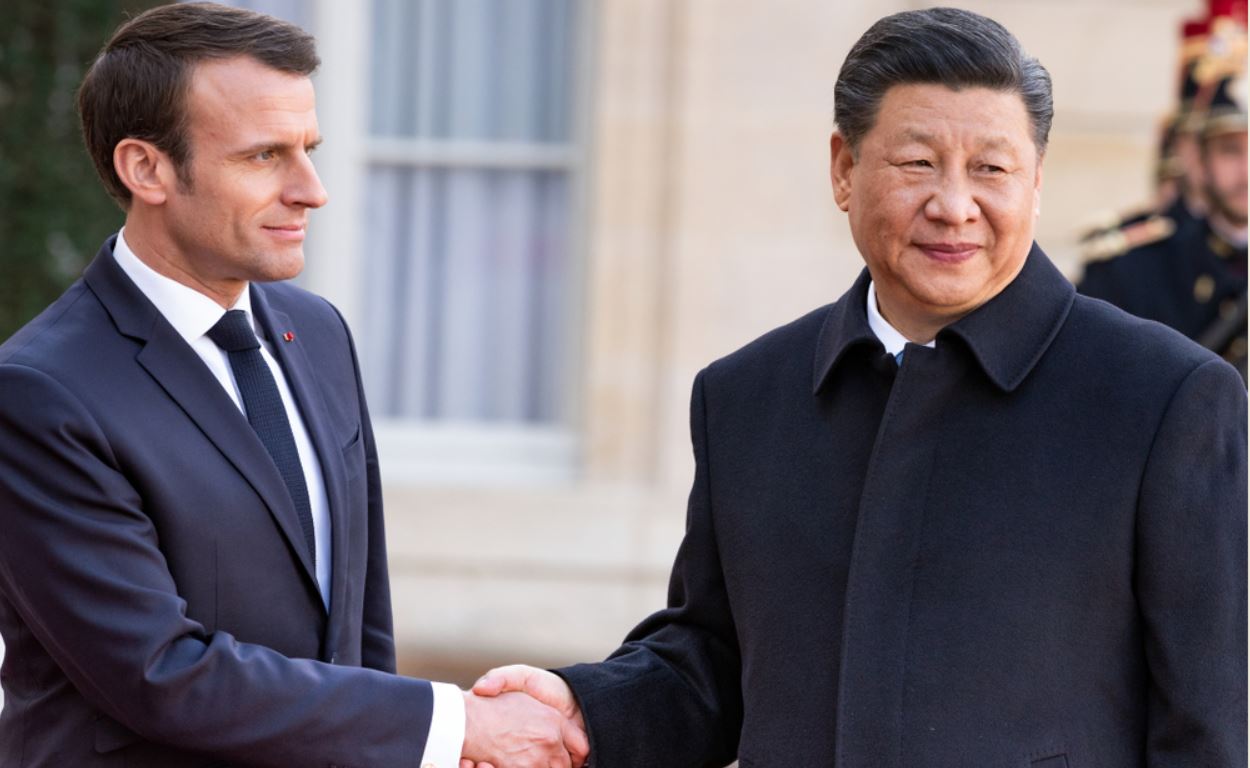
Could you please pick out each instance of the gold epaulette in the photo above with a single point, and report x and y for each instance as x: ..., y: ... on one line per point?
x: 1112, y: 243
x: 1106, y: 221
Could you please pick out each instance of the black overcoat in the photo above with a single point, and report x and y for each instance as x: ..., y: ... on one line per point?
x: 1025, y: 547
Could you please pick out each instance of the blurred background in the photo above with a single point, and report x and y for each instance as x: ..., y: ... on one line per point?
x: 545, y: 217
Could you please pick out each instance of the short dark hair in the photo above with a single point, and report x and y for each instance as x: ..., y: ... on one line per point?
x: 137, y: 85
x: 939, y: 46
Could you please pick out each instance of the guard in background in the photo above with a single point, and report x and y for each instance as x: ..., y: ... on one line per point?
x: 1185, y: 265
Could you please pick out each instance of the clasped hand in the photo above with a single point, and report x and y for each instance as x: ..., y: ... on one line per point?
x: 523, y: 717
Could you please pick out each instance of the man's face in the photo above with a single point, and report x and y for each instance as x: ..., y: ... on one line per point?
x: 942, y: 199
x: 1189, y: 152
x: 243, y: 215
x: 1224, y: 168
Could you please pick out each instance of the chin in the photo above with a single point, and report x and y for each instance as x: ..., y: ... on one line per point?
x: 949, y: 294
x: 286, y: 267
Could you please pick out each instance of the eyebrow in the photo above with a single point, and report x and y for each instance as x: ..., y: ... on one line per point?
x: 270, y: 146
x: 920, y: 137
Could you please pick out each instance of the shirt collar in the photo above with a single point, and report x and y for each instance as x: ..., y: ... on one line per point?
x: 1007, y: 335
x: 190, y: 312
x: 887, y: 334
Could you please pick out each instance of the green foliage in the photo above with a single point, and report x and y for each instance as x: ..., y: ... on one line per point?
x: 53, y: 211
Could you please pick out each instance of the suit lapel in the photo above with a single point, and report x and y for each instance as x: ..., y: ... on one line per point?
x: 312, y: 406
x: 182, y: 374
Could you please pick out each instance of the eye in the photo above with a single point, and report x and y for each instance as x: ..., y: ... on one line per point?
x: 919, y: 164
x: 265, y: 155
x: 993, y: 170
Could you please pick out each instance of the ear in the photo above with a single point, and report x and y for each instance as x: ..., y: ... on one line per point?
x: 841, y: 163
x: 145, y: 170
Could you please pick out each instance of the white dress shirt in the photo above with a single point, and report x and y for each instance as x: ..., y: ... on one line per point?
x: 192, y: 314
x: 888, y: 335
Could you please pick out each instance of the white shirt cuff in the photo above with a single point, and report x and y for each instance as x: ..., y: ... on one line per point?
x: 446, y: 739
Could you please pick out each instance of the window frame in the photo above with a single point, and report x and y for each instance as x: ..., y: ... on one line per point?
x: 421, y: 453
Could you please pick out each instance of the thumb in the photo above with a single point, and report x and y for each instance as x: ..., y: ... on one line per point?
x: 490, y: 684
x: 502, y: 680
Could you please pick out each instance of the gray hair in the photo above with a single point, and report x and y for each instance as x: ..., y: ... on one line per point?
x: 939, y: 46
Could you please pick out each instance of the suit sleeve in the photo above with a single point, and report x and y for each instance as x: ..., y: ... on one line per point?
x: 80, y: 563
x: 1191, y: 574
x: 670, y: 695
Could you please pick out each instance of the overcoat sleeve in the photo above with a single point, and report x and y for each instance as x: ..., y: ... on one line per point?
x: 1191, y: 574
x: 671, y: 694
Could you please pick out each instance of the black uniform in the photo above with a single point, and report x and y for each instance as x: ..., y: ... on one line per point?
x: 1193, y: 281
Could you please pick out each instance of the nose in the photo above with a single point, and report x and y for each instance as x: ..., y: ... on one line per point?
x: 952, y: 202
x: 304, y: 188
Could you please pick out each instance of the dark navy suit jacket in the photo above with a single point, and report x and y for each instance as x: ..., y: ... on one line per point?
x: 156, y: 597
x: 1025, y: 548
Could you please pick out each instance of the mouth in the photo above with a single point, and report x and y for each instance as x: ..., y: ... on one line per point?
x: 948, y: 252
x: 290, y: 233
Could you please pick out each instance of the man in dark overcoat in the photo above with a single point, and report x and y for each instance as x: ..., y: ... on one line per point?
x: 960, y: 517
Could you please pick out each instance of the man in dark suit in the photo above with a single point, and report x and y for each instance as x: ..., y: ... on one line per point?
x: 961, y: 516
x: 193, y: 563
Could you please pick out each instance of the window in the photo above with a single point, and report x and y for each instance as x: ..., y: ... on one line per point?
x: 462, y: 279
x: 468, y: 210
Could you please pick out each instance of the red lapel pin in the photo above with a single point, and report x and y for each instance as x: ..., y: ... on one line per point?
x: 288, y: 336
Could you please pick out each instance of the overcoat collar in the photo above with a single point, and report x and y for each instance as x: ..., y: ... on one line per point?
x: 845, y: 327
x: 181, y: 373
x: 1007, y: 335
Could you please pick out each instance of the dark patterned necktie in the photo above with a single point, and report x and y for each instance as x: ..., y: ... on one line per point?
x: 265, y: 411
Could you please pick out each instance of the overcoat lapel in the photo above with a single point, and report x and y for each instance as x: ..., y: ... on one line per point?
x: 312, y: 406
x: 993, y: 348
x: 886, y: 550
x: 188, y: 382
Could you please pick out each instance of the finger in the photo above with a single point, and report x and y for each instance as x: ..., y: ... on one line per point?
x: 466, y: 763
x: 576, y: 742
x: 560, y: 759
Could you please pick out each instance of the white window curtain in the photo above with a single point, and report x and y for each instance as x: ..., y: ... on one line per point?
x: 468, y: 203
x: 467, y: 210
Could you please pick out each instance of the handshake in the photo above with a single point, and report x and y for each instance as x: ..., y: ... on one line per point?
x: 523, y: 717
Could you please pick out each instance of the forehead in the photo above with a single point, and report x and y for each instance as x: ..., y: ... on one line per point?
x: 937, y: 114
x: 241, y: 92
